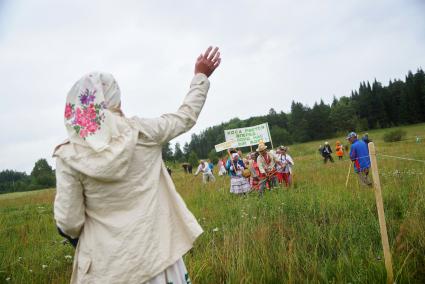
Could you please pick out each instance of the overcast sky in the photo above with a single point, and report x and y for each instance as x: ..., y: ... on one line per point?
x: 273, y: 52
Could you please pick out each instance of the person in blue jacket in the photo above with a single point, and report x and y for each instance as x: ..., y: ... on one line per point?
x: 359, y: 154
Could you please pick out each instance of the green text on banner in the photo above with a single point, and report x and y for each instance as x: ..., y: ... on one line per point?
x: 248, y: 136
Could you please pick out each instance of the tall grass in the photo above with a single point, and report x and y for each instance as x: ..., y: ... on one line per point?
x: 318, y: 231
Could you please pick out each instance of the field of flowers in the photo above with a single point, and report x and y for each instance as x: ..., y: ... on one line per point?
x: 317, y: 231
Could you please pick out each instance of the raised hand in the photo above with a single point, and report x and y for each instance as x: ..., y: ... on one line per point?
x: 208, y: 62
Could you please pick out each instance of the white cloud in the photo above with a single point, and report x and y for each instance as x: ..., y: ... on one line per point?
x: 273, y: 52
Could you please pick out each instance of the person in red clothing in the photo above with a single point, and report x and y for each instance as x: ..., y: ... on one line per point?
x: 266, y: 164
x: 255, y: 171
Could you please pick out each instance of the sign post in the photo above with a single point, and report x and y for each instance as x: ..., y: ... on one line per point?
x: 381, y: 214
x: 268, y: 130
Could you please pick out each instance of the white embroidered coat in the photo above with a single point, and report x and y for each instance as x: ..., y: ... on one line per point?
x: 122, y: 203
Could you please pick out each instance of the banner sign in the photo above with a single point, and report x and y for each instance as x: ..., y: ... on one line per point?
x: 226, y: 145
x: 249, y: 136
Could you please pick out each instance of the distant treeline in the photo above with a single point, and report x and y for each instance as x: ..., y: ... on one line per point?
x: 42, y: 176
x: 371, y: 106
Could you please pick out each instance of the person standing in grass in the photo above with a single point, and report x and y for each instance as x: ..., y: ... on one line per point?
x: 221, y: 167
x: 266, y: 164
x: 207, y: 174
x: 238, y: 183
x: 327, y: 153
x: 114, y: 197
x: 359, y: 154
x: 339, y: 149
x: 284, y: 164
x: 255, y: 171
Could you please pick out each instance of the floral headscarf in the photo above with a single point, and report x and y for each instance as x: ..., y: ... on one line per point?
x: 89, y: 108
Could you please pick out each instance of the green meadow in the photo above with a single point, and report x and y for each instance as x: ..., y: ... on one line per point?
x: 317, y: 231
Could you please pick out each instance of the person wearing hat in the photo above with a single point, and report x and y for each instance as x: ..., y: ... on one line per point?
x: 359, y: 154
x: 284, y: 165
x: 326, y: 153
x: 207, y: 174
x: 266, y: 164
x: 238, y: 183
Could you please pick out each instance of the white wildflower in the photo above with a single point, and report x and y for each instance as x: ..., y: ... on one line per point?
x: 68, y: 256
x: 8, y: 279
x: 215, y: 229
x: 44, y: 266
x: 30, y: 270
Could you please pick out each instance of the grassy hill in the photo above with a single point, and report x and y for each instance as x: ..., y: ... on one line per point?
x: 316, y: 231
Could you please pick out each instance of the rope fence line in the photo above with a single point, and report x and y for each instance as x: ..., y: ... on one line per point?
x: 390, y: 156
x: 401, y: 158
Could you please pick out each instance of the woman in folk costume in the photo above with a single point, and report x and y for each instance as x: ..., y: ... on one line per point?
x: 286, y: 163
x: 255, y: 171
x: 238, y: 183
x: 114, y: 197
x: 339, y: 149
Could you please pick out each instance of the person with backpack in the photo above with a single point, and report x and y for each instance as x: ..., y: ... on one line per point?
x: 359, y: 154
x: 327, y: 153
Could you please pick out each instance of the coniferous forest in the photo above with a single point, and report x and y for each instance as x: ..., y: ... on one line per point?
x: 372, y: 106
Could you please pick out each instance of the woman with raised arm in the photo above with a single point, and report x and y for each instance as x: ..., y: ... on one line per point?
x: 115, y: 200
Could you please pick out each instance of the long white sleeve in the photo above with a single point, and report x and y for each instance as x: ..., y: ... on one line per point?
x: 69, y: 208
x: 170, y: 125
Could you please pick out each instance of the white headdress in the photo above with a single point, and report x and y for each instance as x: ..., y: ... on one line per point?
x: 89, y: 110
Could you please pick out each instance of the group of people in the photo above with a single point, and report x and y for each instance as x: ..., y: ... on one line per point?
x: 326, y: 150
x: 256, y: 171
x: 359, y: 155
x: 266, y: 169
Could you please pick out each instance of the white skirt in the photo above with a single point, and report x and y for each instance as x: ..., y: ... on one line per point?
x: 239, y: 185
x: 176, y: 274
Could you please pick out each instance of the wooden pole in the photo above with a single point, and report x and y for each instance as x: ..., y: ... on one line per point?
x: 381, y: 214
x: 268, y: 130
x: 348, y: 175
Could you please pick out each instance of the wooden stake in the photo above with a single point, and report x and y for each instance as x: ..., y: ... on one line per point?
x: 268, y: 130
x: 381, y: 214
x: 348, y: 175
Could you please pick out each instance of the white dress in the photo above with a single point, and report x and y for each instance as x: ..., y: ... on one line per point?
x: 238, y: 183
